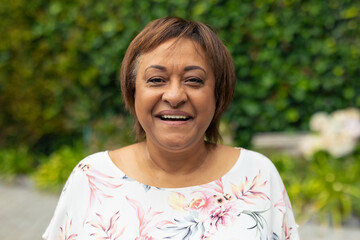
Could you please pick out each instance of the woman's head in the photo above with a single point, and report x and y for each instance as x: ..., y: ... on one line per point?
x: 161, y: 30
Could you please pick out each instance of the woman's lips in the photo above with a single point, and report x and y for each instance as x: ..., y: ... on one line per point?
x: 174, y: 116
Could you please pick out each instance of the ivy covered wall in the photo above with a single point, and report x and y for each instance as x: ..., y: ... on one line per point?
x: 59, y: 62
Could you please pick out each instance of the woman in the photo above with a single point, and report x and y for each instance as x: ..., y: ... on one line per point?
x: 177, y: 182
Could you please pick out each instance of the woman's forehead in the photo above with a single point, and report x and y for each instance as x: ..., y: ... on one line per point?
x: 174, y: 50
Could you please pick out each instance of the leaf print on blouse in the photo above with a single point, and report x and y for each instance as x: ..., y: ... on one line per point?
x: 286, y: 230
x: 275, y: 236
x: 64, y: 231
x: 178, y: 201
x: 216, y: 186
x: 188, y: 228
x: 250, y: 190
x: 146, y: 220
x: 283, y: 203
x: 106, y: 230
x: 98, y: 183
x: 257, y: 217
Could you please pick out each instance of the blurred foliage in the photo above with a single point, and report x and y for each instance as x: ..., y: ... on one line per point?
x: 110, y: 133
x: 59, y: 62
x: 53, y: 173
x: 324, y: 187
x: 14, y: 162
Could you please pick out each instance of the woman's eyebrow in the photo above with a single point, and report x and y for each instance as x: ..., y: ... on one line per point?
x: 162, y: 68
x: 194, y: 67
x: 187, y: 68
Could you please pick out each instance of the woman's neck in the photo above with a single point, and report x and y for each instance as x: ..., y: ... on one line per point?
x: 174, y: 169
x: 175, y: 162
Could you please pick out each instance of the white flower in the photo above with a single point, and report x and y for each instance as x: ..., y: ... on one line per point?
x: 349, y: 121
x: 340, y: 146
x: 310, y: 144
x: 337, y: 133
x: 349, y: 113
x: 352, y: 129
x: 319, y: 121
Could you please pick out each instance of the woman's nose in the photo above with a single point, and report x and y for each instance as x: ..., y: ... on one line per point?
x: 175, y: 94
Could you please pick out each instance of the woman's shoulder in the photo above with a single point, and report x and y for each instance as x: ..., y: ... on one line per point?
x: 249, y: 157
x: 252, y: 155
x: 93, y: 159
x: 255, y: 161
x: 124, y: 152
x: 112, y: 155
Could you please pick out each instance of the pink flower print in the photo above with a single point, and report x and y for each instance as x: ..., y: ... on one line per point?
x: 98, y: 183
x: 107, y: 230
x: 146, y: 220
x: 178, y: 202
x: 250, y: 190
x: 284, y: 202
x: 223, y: 215
x: 197, y: 203
x: 222, y: 199
x: 202, y: 204
x: 65, y: 235
x: 217, y: 186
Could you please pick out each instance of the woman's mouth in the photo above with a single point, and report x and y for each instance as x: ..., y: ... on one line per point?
x: 174, y: 117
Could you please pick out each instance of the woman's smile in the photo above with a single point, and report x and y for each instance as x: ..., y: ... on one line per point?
x: 173, y: 117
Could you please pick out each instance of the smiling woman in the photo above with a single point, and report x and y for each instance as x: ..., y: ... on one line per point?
x: 177, y: 181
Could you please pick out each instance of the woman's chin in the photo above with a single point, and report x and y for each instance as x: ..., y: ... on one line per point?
x: 174, y: 145
x: 177, y: 143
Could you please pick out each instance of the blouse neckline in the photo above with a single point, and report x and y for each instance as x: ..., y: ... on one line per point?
x: 188, y: 188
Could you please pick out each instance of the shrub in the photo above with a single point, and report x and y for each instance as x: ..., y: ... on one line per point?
x: 53, y: 173
x: 14, y: 162
x: 323, y: 187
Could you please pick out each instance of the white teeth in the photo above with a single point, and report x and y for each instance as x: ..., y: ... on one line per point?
x: 173, y: 117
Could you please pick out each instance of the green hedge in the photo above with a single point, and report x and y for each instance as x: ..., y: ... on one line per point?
x: 59, y: 62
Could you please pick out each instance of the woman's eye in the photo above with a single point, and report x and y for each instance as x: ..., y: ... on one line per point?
x: 155, y: 80
x: 195, y: 81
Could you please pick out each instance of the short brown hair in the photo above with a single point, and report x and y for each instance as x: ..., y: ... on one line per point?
x: 163, y: 29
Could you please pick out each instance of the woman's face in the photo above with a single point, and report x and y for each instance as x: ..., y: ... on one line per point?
x: 174, y: 96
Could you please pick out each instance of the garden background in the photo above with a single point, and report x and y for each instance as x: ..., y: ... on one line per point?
x: 60, y: 96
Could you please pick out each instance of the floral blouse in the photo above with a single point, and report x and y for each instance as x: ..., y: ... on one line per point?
x: 100, y: 202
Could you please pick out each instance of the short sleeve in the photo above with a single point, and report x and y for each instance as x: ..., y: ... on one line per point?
x: 285, y: 226
x: 60, y: 212
x: 70, y: 206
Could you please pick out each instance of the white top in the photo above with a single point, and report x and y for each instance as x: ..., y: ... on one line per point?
x: 100, y: 202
